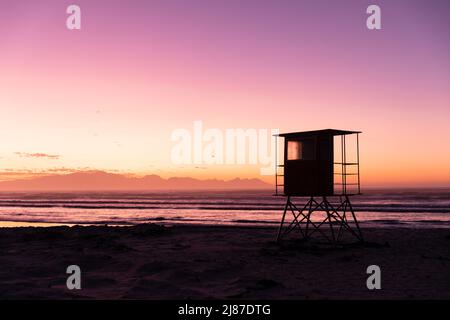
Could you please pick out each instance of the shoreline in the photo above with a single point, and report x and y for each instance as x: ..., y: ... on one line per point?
x: 366, y: 224
x: 150, y: 261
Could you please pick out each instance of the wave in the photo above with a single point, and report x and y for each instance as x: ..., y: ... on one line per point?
x: 223, y: 207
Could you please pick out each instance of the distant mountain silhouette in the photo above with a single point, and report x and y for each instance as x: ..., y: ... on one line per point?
x: 100, y: 180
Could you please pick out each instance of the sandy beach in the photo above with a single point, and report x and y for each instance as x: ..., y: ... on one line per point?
x: 211, y: 262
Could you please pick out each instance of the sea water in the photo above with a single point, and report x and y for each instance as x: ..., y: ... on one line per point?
x: 408, y: 208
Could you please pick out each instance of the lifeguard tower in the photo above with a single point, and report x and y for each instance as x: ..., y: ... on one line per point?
x: 318, y: 170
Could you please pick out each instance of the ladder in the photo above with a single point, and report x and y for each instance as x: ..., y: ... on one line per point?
x: 278, y: 175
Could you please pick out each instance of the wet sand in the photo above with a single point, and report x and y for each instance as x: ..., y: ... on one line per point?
x: 219, y: 262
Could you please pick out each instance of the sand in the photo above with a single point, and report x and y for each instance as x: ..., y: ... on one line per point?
x: 219, y: 262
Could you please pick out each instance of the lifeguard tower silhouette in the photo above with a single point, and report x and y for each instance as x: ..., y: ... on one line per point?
x: 316, y: 167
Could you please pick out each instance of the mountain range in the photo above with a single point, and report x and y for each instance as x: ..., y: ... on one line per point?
x: 105, y: 181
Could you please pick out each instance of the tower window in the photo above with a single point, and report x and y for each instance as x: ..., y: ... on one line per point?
x: 301, y: 150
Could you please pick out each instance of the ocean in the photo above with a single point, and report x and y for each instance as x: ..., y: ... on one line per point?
x: 407, y: 208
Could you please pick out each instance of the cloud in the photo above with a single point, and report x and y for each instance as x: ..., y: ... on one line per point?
x: 14, y: 172
x: 37, y: 155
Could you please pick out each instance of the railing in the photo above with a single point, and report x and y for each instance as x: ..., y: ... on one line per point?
x: 344, y: 165
x: 277, y: 175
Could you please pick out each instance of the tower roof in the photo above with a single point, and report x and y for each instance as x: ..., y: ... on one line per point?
x: 332, y: 132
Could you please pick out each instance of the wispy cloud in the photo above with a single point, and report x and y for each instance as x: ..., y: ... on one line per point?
x: 14, y: 174
x: 37, y: 155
